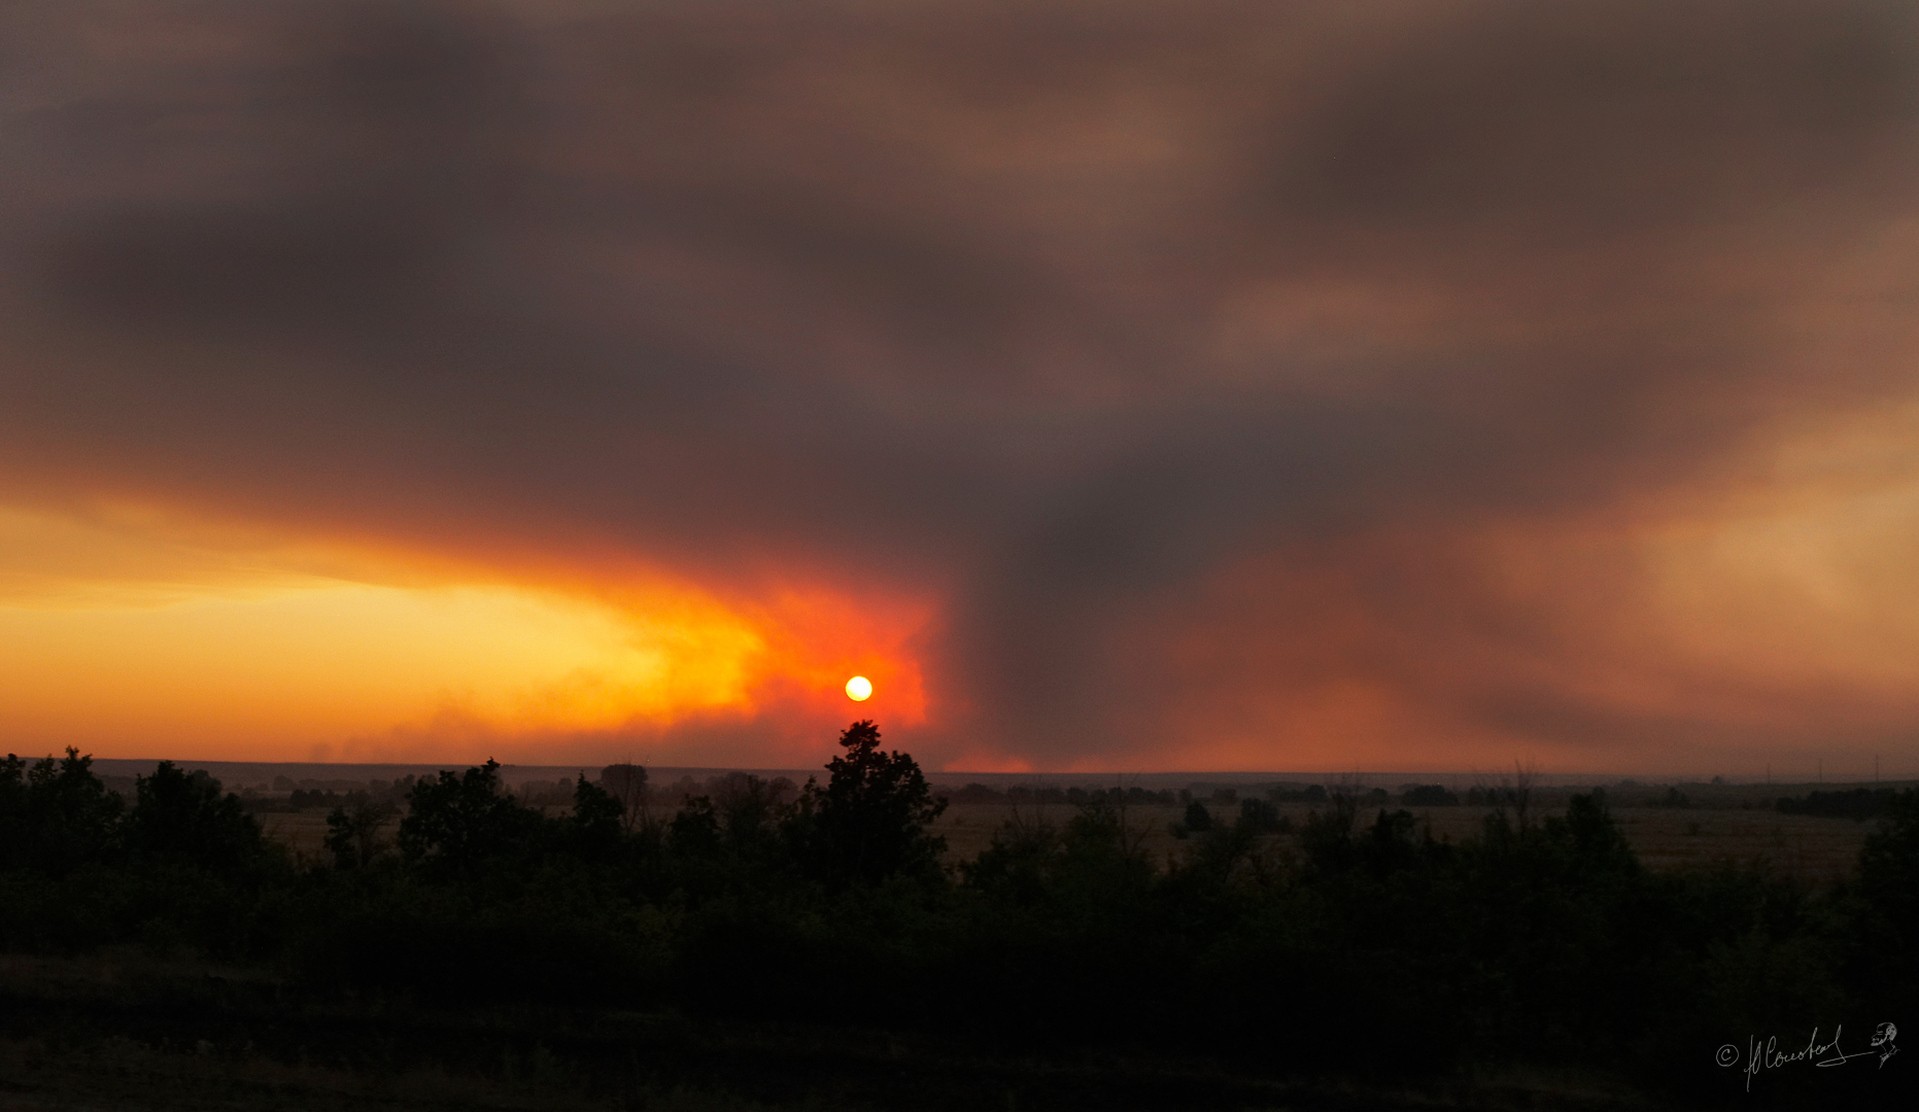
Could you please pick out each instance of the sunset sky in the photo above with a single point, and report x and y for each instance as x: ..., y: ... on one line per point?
x: 1119, y: 385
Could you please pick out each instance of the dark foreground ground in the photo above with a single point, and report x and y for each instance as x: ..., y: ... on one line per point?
x: 120, y: 1031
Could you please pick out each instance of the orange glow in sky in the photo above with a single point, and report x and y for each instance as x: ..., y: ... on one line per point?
x: 129, y: 639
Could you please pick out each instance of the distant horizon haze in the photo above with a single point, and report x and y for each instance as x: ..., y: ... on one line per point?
x: 253, y: 772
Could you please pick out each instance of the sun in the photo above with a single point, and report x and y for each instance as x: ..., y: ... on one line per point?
x: 859, y: 689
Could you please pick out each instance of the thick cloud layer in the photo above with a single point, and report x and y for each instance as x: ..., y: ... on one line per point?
x: 1284, y: 376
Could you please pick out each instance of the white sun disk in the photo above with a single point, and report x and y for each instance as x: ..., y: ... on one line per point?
x: 859, y: 689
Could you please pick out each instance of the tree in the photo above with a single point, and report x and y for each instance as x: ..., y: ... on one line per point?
x: 750, y: 812
x: 455, y: 822
x: 1017, y: 863
x: 1260, y: 817
x: 870, y: 821
x: 55, y: 815
x: 595, y: 826
x: 1428, y: 795
x: 1885, y: 896
x: 1592, y: 837
x: 1326, y: 837
x: 694, y: 833
x: 353, y: 832
x: 185, y: 815
x: 626, y: 783
x: 1198, y: 819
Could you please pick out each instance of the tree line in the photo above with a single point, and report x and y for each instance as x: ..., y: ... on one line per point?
x: 1362, y: 944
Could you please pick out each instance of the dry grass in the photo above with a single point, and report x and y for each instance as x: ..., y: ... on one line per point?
x: 1737, y: 830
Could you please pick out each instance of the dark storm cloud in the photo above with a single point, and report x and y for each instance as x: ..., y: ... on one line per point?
x: 1058, y: 313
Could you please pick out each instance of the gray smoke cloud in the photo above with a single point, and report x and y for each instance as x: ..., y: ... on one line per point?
x: 1068, y: 315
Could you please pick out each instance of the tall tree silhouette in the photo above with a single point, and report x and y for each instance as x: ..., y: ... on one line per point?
x: 869, y: 822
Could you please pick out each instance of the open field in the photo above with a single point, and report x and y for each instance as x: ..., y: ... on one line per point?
x: 1804, y: 846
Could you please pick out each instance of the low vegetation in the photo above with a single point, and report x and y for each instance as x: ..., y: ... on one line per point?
x: 1859, y: 803
x: 1355, y: 945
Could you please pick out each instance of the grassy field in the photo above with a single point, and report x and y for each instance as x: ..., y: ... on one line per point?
x: 1802, y: 846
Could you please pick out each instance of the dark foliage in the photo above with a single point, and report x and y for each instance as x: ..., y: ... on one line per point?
x: 868, y: 824
x: 1858, y: 804
x: 456, y: 823
x: 1427, y: 795
x: 1261, y: 817
x: 1540, y: 942
x: 184, y: 817
x: 1884, y: 900
x: 55, y: 816
x: 625, y: 784
x: 353, y: 832
x: 1197, y: 819
x: 592, y: 828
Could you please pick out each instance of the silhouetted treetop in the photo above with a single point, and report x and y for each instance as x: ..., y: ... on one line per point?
x: 1198, y: 819
x: 870, y: 821
x: 55, y: 815
x: 597, y: 822
x: 455, y: 821
x: 185, y: 815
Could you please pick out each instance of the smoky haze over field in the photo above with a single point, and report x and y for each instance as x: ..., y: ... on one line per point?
x: 242, y: 774
x: 1225, y: 385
